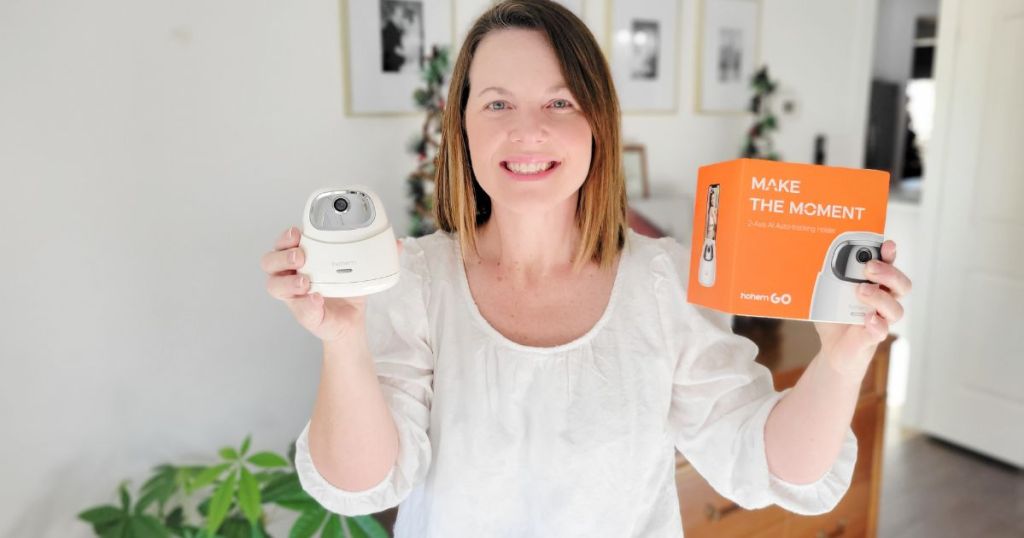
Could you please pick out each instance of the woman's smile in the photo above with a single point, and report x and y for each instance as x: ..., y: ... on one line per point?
x: 529, y: 170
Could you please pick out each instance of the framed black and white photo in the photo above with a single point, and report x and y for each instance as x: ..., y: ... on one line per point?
x: 643, y: 44
x: 728, y: 54
x: 385, y: 45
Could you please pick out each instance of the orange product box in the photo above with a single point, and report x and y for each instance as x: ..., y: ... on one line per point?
x: 785, y: 240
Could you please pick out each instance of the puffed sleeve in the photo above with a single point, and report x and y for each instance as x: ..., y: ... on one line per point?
x: 397, y: 332
x: 721, y: 399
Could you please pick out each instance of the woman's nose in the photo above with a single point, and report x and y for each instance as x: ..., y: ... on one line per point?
x: 529, y: 127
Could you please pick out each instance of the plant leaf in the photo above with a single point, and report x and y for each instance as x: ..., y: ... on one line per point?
x: 245, y: 445
x: 249, y: 496
x: 333, y: 528
x: 126, y: 498
x: 266, y: 476
x: 354, y: 530
x: 370, y: 525
x: 257, y: 531
x: 267, y: 459
x: 236, y: 527
x: 207, y: 476
x: 192, y: 532
x: 308, y: 523
x: 228, y: 453
x: 101, y: 515
x: 159, y: 488
x: 280, y: 485
x: 204, y: 507
x: 220, y: 503
x: 176, y: 519
x: 161, y: 474
x: 292, y: 496
x: 145, y: 526
x: 298, y: 506
x: 116, y: 531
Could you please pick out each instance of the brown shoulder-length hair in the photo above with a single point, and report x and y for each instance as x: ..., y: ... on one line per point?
x: 461, y: 205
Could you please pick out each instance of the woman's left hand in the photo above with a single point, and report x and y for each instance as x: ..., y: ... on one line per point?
x: 849, y: 348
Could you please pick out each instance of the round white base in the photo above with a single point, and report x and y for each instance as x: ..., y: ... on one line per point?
x: 353, y: 289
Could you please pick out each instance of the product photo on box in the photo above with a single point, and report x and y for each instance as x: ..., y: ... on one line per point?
x: 785, y: 240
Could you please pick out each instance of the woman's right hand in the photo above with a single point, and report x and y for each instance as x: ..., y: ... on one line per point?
x: 327, y: 318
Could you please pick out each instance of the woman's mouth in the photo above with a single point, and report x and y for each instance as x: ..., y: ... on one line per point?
x: 529, y: 171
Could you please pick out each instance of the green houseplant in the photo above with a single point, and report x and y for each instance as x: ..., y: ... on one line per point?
x: 223, y: 500
x: 758, y: 144
x: 420, y: 183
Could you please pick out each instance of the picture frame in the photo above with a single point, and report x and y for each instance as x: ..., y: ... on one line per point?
x: 384, y: 44
x: 728, y: 55
x: 634, y: 168
x: 643, y: 47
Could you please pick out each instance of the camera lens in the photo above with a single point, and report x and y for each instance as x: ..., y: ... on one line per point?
x: 341, y: 205
x: 864, y: 255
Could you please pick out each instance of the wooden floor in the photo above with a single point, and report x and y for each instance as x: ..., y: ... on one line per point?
x: 932, y: 489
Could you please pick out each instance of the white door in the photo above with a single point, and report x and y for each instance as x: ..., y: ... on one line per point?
x: 967, y: 336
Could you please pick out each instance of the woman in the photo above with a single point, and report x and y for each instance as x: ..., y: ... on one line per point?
x: 537, y: 365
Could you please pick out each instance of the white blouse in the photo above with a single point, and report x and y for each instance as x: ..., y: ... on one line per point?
x: 502, y: 439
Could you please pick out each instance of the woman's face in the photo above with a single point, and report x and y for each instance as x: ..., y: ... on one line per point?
x: 529, y: 142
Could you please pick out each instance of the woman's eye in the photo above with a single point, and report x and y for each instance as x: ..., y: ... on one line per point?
x: 560, y: 104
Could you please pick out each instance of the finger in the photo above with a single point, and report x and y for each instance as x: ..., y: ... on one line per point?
x: 276, y: 261
x: 889, y: 276
x: 876, y: 327
x: 308, y: 309
x: 889, y: 251
x: 287, y: 287
x: 400, y: 246
x: 883, y: 302
x: 288, y: 239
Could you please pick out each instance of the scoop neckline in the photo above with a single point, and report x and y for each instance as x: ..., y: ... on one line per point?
x: 504, y: 340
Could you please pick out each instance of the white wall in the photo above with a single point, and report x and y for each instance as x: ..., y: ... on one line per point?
x: 820, y: 52
x: 150, y: 153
